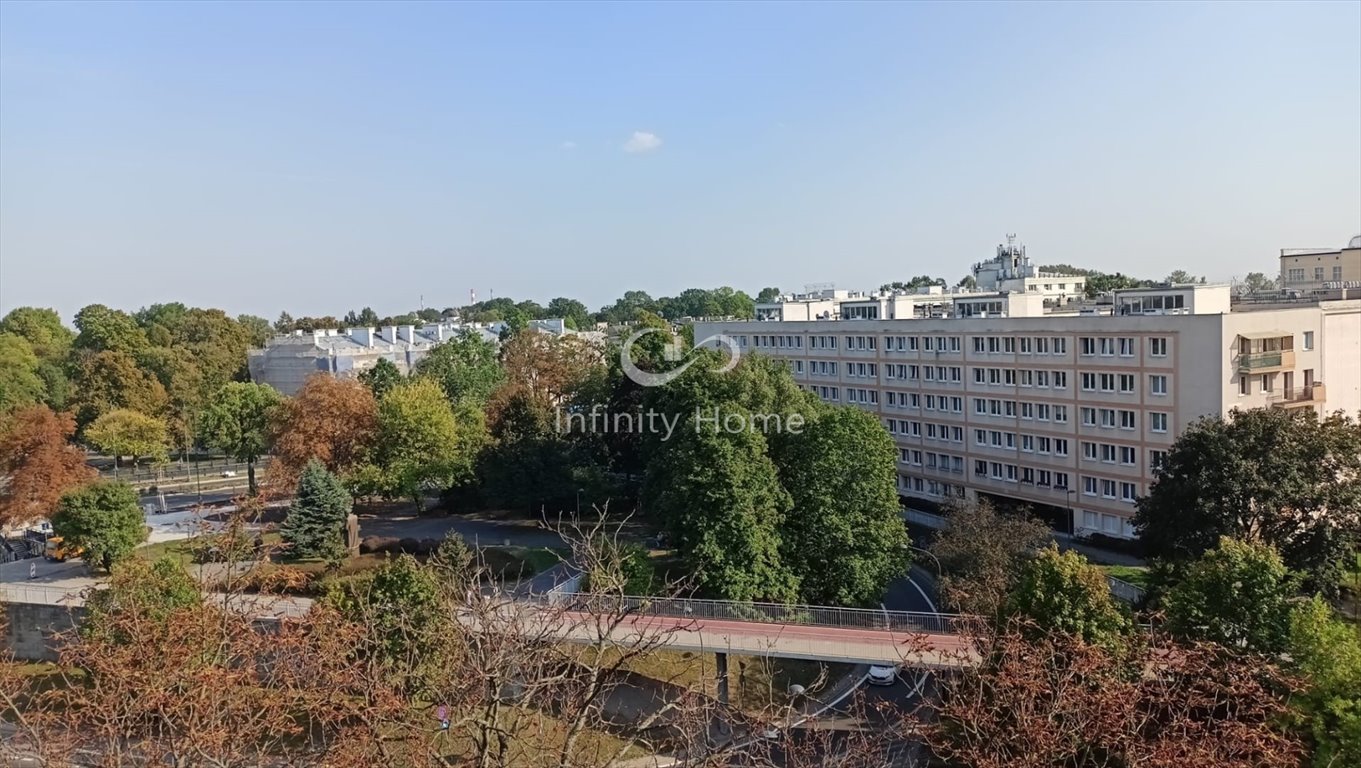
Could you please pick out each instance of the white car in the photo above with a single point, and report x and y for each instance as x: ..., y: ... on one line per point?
x: 228, y: 473
x: 883, y: 675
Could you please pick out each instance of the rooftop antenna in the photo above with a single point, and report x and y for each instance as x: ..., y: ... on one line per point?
x: 472, y: 295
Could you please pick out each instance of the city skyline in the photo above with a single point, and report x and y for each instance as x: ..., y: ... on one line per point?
x: 309, y: 159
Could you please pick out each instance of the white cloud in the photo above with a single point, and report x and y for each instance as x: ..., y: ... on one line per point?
x: 642, y: 142
x: 569, y: 145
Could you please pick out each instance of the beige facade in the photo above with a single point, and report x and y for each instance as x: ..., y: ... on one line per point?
x: 1067, y: 412
x: 1321, y: 269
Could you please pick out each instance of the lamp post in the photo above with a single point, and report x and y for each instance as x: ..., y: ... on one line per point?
x: 928, y: 554
x: 1068, y: 497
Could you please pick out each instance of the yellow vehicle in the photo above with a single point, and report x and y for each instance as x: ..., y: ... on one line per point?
x: 57, y: 550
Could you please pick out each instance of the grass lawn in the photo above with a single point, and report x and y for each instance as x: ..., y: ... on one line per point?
x: 1133, y: 574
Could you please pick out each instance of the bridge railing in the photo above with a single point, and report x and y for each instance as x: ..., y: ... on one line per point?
x: 907, y: 622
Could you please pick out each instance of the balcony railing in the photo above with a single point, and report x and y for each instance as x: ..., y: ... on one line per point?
x: 1308, y: 394
x: 1266, y: 361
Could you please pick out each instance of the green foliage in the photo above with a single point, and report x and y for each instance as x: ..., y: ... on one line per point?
x: 107, y: 330
x: 845, y: 539
x: 620, y: 568
x: 1237, y: 595
x: 104, y: 519
x: 920, y: 281
x: 20, y: 380
x: 1281, y: 477
x: 465, y: 367
x: 1061, y: 591
x: 417, y: 446
x: 112, y: 379
x: 141, y: 591
x: 400, y: 603
x: 125, y: 432
x: 530, y: 463
x: 719, y: 495
x: 576, y: 315
x: 237, y: 420
x: 315, y: 526
x: 41, y: 328
x: 767, y: 295
x: 1327, y: 652
x: 381, y: 378
x: 257, y: 329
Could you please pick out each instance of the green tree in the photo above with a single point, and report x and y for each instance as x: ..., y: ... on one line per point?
x: 112, y: 379
x: 125, y: 432
x: 381, y: 378
x: 1327, y: 653
x: 719, y: 495
x: 845, y: 539
x: 1061, y: 591
x: 767, y: 295
x: 107, y: 330
x: 1256, y: 282
x: 529, y: 463
x: 574, y: 312
x: 237, y: 420
x: 104, y: 519
x: 400, y: 605
x: 257, y: 329
x: 1237, y: 595
x: 42, y: 328
x: 417, y: 444
x: 1181, y: 276
x: 285, y: 323
x: 1280, y: 477
x: 150, y: 590
x: 968, y: 282
x: 315, y: 526
x: 465, y: 366
x: 20, y: 382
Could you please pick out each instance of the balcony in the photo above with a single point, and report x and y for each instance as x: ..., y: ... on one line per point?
x: 1266, y: 362
x: 1306, y: 396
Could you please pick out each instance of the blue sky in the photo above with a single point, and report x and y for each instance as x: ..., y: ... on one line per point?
x: 317, y: 158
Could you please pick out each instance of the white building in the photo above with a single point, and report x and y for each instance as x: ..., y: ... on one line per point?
x: 1066, y: 409
x: 1011, y: 270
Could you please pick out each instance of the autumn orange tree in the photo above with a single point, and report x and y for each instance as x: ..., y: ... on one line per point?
x: 40, y: 462
x: 330, y: 419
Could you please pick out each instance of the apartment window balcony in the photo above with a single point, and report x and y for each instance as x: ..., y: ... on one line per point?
x: 1306, y: 396
x: 1266, y: 362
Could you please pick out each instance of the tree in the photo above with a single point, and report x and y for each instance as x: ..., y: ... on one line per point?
x: 1327, y: 653
x: 125, y: 432
x: 844, y: 538
x: 572, y: 311
x: 110, y: 380
x: 237, y: 420
x: 920, y: 281
x: 107, y: 330
x: 768, y: 295
x: 1237, y: 595
x: 285, y: 323
x: 1269, y: 475
x: 530, y: 463
x: 554, y: 368
x: 1181, y: 276
x: 102, y: 518
x: 1256, y: 282
x: 381, y: 378
x: 465, y: 366
x: 39, y: 463
x: 20, y: 382
x: 968, y: 283
x: 365, y: 318
x: 148, y: 590
x: 258, y: 330
x: 719, y: 495
x: 315, y: 526
x: 417, y: 444
x: 1041, y: 699
x: 42, y: 328
x: 982, y: 554
x: 1062, y: 592
x: 331, y: 420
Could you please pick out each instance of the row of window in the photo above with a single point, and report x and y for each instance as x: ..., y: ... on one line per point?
x: 1102, y: 346
x: 1048, y: 446
x: 906, y: 372
x: 1109, y: 489
x: 929, y: 487
x: 914, y: 400
x: 1009, y: 377
x: 1011, y: 473
x: 1296, y: 275
x: 948, y: 433
x: 941, y: 462
x: 1122, y: 383
x: 986, y: 406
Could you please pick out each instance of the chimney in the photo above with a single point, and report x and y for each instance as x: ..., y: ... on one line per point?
x: 407, y: 333
x: 390, y: 334
x: 362, y: 336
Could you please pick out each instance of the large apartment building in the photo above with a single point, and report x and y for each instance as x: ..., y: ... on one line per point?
x: 1309, y: 270
x: 1067, y: 409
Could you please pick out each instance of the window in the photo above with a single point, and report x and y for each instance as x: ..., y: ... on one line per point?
x: 1108, y: 417
x: 1296, y: 275
x: 1089, y: 451
x: 1091, y: 520
x: 1009, y: 345
x: 1060, y: 480
x: 1107, y: 382
x: 1157, y: 422
x: 1060, y: 345
x: 1244, y: 385
x: 1108, y: 489
x: 993, y: 345
x: 1089, y: 486
x: 1127, y: 383
x: 1060, y: 446
x: 1088, y: 382
x: 980, y: 468
x: 1043, y: 444
x: 1089, y: 417
x: 1027, y: 410
x: 978, y: 343
x: 1126, y: 347
x: 1157, y: 346
x: 1127, y: 420
x: 1127, y: 492
x: 1025, y: 345
x: 1156, y: 460
x: 1107, y: 347
x: 1309, y: 338
x: 1043, y: 478
x: 1337, y: 273
x: 1060, y: 379
x: 1318, y: 274
x: 1268, y: 382
x: 1088, y: 345
x: 1061, y: 414
x: 1107, y: 453
x: 1157, y: 384
x: 1041, y: 345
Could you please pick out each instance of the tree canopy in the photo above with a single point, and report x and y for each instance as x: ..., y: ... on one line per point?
x: 103, y: 518
x: 39, y: 462
x: 315, y: 526
x: 125, y: 432
x: 1237, y: 594
x: 237, y: 420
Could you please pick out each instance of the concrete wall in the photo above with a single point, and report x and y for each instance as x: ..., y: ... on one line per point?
x: 31, y: 628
